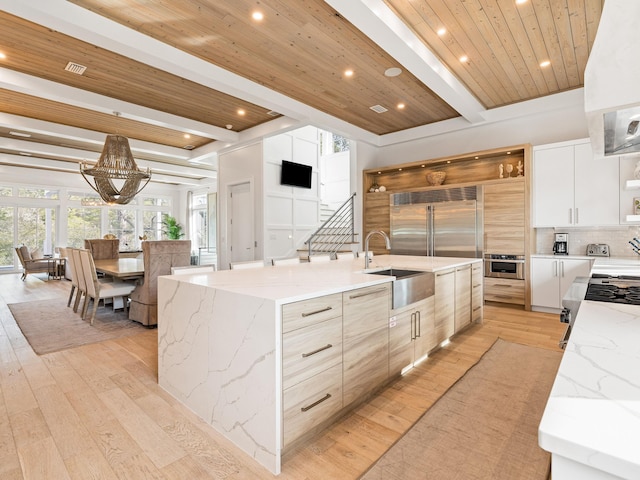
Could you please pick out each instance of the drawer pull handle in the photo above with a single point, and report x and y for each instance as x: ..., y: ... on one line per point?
x: 476, y: 309
x: 372, y: 292
x: 305, y: 355
x: 443, y: 274
x: 316, y: 403
x: 308, y: 314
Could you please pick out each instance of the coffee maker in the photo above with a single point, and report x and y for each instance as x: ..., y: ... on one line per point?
x: 561, y: 245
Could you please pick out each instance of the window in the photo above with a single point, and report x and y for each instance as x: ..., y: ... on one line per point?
x: 36, y: 228
x: 6, y: 191
x: 122, y: 224
x: 38, y: 193
x: 82, y: 223
x: 6, y: 237
x: 199, y: 221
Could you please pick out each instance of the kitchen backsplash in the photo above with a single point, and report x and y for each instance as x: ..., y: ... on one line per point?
x: 616, y: 238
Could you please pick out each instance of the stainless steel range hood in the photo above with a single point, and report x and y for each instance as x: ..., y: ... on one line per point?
x: 612, y: 81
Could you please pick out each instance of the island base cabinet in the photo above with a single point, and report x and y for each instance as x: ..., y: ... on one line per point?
x: 563, y: 468
x: 311, y: 402
x: 463, y: 297
x: 477, y: 301
x: 445, y: 308
x: 365, y: 343
x: 411, y: 334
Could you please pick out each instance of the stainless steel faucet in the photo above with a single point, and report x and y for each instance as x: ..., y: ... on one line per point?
x: 366, y: 244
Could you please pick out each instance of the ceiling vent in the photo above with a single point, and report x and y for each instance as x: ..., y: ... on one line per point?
x: 271, y: 113
x: 75, y: 68
x: 378, y: 109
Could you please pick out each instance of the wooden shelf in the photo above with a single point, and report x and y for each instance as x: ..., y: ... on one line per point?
x: 633, y: 184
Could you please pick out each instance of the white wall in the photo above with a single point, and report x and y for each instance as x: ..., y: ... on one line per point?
x: 237, y: 166
x: 291, y: 213
x: 567, y: 123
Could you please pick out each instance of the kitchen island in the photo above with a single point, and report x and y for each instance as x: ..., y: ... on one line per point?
x: 591, y: 424
x: 224, y: 339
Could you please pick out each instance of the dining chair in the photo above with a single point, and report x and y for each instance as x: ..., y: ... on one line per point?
x: 158, y: 258
x: 319, y: 258
x: 81, y: 283
x: 71, y: 266
x: 99, y: 291
x: 285, y: 261
x: 246, y: 265
x: 345, y: 256
x: 192, y: 269
x: 102, y: 248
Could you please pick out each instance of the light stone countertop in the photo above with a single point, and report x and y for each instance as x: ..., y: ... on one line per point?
x: 593, y: 413
x: 592, y: 416
x: 291, y: 283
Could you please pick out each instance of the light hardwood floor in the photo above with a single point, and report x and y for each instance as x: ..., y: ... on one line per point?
x: 96, y: 411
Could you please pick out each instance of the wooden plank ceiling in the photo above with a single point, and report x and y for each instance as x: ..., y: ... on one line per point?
x: 302, y: 49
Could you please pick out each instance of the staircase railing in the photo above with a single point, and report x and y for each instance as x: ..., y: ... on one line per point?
x: 335, y: 232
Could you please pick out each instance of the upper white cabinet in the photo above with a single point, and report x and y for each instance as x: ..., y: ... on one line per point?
x: 566, y: 177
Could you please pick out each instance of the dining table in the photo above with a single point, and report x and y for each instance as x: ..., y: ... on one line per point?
x: 121, y: 268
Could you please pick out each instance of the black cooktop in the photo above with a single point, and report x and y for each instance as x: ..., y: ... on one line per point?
x: 615, y: 290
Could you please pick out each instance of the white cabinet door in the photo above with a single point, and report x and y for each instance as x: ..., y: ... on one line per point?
x: 545, y: 291
x: 601, y: 175
x: 565, y: 178
x: 553, y: 190
x: 570, y: 268
x: 552, y: 277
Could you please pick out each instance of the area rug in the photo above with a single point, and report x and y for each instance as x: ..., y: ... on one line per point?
x: 50, y: 326
x: 485, y: 427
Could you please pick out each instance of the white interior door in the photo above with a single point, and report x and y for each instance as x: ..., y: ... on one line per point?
x: 241, y: 241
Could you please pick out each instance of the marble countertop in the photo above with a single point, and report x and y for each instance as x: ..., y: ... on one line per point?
x: 593, y: 412
x: 291, y: 283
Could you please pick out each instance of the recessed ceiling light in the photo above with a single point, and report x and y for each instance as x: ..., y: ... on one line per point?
x: 520, y: 2
x: 441, y: 31
x: 392, y: 72
x: 229, y: 126
x: 241, y: 111
x: 400, y: 106
x: 186, y: 135
x: 348, y: 73
x: 545, y: 63
x: 20, y: 134
x: 464, y: 59
x: 423, y: 166
x: 2, y: 56
x: 257, y: 16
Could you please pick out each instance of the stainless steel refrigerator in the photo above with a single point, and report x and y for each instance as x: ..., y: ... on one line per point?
x: 444, y: 223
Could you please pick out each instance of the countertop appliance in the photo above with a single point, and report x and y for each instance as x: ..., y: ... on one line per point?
x: 598, y: 250
x: 443, y: 222
x: 561, y: 245
x: 504, y: 266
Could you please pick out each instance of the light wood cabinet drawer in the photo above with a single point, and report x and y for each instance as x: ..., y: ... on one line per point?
x: 308, y: 351
x: 504, y: 290
x: 309, y: 312
x: 310, y: 402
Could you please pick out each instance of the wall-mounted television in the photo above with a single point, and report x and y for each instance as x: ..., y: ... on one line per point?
x: 295, y: 174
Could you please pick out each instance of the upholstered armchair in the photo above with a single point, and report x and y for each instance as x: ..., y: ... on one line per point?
x: 102, y: 249
x: 31, y: 265
x: 159, y: 256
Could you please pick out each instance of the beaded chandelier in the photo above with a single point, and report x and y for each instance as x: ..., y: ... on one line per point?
x: 116, y: 163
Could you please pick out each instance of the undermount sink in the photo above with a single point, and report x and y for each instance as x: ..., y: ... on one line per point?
x: 409, y: 286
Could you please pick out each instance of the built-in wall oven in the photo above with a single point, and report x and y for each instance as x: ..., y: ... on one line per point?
x: 504, y: 266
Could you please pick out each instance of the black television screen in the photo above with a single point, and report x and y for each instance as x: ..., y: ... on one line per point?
x: 295, y: 174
